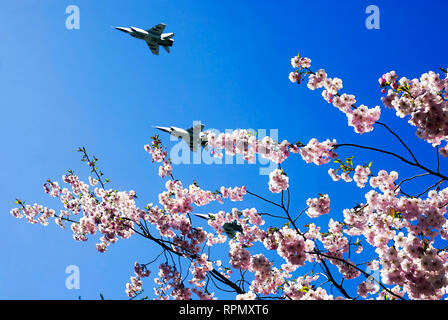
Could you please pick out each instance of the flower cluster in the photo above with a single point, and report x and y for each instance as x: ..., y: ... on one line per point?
x: 302, y: 289
x: 246, y: 144
x: 361, y: 175
x: 234, y: 194
x: 278, y: 181
x: 318, y: 206
x: 300, y: 62
x: 199, y: 269
x: 367, y: 288
x: 405, y: 249
x: 135, y: 286
x: 290, y: 246
x: 159, y: 154
x: 31, y: 212
x: 361, y: 118
x: 110, y: 212
x: 336, y: 177
x: 267, y: 278
x: 318, y: 152
x: 170, y: 283
x: 424, y: 100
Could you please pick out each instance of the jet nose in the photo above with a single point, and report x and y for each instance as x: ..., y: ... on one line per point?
x: 126, y: 30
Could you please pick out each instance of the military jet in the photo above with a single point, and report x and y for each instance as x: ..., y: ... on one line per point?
x: 153, y: 37
x: 230, y: 228
x: 192, y: 136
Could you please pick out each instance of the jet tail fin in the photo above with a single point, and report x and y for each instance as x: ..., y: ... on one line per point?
x: 167, y: 48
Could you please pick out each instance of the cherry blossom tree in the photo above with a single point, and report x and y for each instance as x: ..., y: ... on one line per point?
x: 407, y: 233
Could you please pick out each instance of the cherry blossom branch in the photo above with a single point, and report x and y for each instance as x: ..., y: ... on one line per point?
x: 378, y: 122
x: 430, y: 187
x: 411, y: 178
x: 160, y: 242
x: 214, y: 272
x: 395, y: 155
x: 264, y: 199
x: 327, y: 270
x: 91, y: 164
x: 271, y: 215
x: 226, y: 281
x: 331, y: 279
x: 359, y: 269
x: 301, y: 212
x: 402, y: 142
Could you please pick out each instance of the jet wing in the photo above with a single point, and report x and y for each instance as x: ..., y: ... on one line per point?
x: 195, y: 134
x: 158, y: 29
x: 153, y: 46
x: 193, y: 145
x: 184, y: 135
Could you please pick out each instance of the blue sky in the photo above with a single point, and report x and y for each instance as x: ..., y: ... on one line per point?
x: 99, y: 88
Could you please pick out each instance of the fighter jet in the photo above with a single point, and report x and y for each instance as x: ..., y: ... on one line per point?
x: 230, y: 228
x: 153, y: 37
x: 192, y: 136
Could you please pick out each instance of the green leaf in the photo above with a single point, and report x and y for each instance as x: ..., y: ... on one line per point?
x: 425, y: 245
x: 395, y: 214
x: 349, y: 161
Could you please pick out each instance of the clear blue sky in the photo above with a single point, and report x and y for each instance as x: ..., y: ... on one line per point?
x: 99, y: 88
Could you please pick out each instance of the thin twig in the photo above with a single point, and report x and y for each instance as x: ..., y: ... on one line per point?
x: 402, y: 142
x: 395, y: 155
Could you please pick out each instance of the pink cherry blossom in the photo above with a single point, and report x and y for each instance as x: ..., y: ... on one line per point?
x: 318, y: 206
x: 278, y: 181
